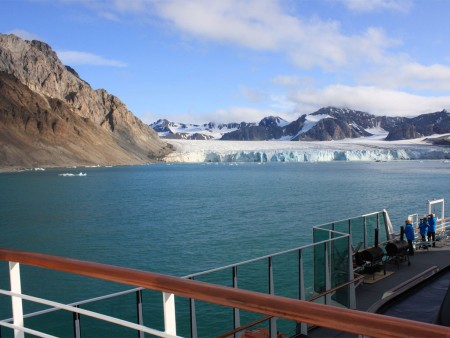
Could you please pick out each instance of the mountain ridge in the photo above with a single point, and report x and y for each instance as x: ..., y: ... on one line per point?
x: 37, y: 67
x: 326, y: 124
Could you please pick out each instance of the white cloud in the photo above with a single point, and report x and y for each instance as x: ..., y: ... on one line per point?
x: 373, y: 100
x: 371, y: 5
x: 83, y: 58
x: 233, y: 114
x: 25, y: 35
x: 263, y: 25
x: 412, y: 75
x: 238, y: 114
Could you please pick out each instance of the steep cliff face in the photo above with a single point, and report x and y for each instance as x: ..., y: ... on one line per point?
x: 35, y: 65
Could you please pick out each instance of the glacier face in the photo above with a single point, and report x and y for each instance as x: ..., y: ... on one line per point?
x: 300, y: 156
x: 276, y: 151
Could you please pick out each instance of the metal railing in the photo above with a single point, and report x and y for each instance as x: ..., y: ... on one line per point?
x: 324, y: 290
x: 346, y: 320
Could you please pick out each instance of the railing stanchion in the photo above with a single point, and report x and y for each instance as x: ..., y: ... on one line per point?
x: 76, y: 323
x: 140, y: 316
x: 193, y: 316
x: 301, y: 289
x: 273, y: 320
x: 17, y: 308
x: 236, y: 315
x: 194, y: 333
x: 170, y: 324
x: 351, y: 275
x: 327, y: 273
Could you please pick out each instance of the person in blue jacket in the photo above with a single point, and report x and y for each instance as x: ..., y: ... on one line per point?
x: 423, y: 228
x: 409, y: 233
x: 432, y: 229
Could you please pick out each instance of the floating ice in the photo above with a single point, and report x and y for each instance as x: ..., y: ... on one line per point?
x: 71, y: 175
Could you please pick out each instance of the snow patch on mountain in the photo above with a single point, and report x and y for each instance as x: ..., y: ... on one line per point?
x: 311, y: 121
x: 377, y: 132
x: 187, y: 131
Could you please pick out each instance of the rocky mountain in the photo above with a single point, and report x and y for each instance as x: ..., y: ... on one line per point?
x: 441, y: 141
x: 268, y: 128
x: 338, y: 123
x: 420, y: 126
x: 49, y: 116
x: 327, y: 124
x: 206, y: 131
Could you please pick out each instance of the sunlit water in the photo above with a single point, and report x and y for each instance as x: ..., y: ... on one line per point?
x: 186, y: 218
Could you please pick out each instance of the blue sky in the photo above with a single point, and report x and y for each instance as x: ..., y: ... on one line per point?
x: 242, y: 60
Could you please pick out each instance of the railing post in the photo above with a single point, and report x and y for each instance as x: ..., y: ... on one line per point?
x: 236, y: 315
x: 76, y: 324
x: 193, y: 316
x: 365, y: 232
x: 170, y: 323
x: 194, y: 333
x: 140, y: 316
x: 17, y: 309
x: 273, y: 320
x: 351, y: 276
x: 301, y: 290
x: 327, y: 273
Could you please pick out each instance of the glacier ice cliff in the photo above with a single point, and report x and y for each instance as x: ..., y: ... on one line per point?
x: 266, y: 151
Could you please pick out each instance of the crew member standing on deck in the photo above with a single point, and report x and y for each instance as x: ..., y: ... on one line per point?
x: 423, y: 228
x: 409, y: 233
x: 432, y: 229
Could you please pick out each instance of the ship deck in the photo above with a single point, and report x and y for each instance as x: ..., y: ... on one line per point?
x: 368, y: 294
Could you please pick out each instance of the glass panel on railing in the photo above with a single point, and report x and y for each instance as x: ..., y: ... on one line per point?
x: 358, y: 233
x: 285, y: 275
x: 254, y: 276
x: 320, y: 235
x: 339, y: 267
x: 214, y: 320
x: 371, y: 226
x: 342, y: 226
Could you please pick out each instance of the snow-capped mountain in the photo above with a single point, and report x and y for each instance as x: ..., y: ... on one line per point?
x: 422, y: 125
x: 187, y: 131
x: 326, y: 124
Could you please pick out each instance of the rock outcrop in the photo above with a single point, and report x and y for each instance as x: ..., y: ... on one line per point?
x: 50, y: 108
x: 420, y: 126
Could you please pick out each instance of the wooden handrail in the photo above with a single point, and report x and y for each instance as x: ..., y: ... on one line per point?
x: 340, y: 319
x: 320, y: 295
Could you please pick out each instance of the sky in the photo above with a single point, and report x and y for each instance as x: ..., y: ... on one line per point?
x: 197, y: 61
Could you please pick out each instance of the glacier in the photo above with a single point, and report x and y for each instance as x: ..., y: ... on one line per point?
x: 362, y: 149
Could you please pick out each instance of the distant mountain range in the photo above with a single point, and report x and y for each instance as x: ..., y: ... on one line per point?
x: 326, y: 124
x: 49, y: 116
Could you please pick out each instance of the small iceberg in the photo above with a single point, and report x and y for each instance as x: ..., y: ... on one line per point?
x: 70, y: 174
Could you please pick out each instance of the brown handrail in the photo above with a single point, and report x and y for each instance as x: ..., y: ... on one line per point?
x: 246, y: 326
x: 347, y: 320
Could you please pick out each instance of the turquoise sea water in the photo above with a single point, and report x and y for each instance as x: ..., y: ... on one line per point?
x: 185, y: 218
